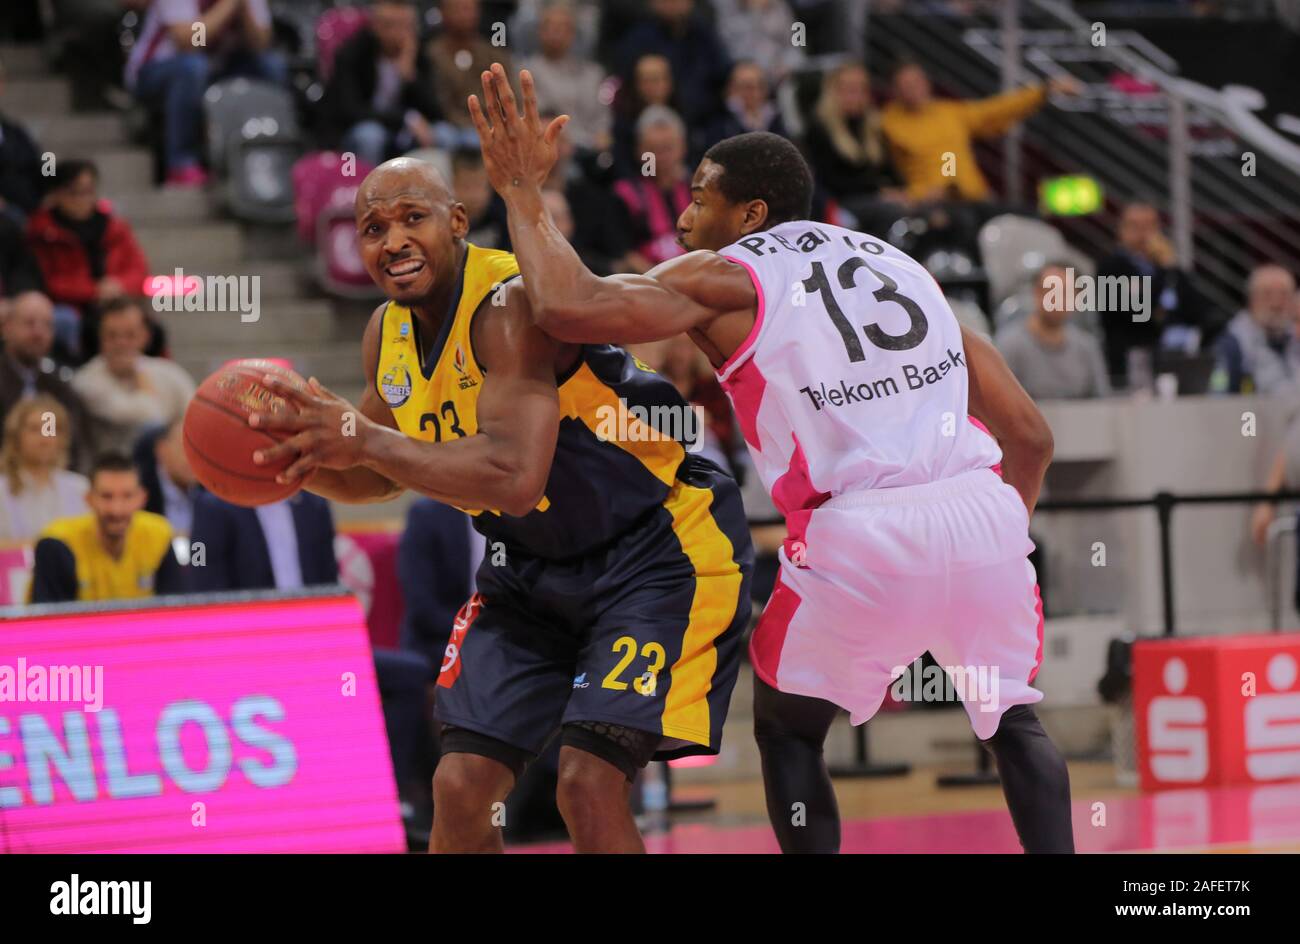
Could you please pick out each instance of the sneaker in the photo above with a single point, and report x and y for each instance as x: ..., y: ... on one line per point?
x: 189, y: 177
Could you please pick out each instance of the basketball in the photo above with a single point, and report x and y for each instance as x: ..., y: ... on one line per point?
x: 220, y: 443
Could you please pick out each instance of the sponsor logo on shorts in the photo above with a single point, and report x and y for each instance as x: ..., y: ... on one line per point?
x: 395, y: 385
x: 450, y: 670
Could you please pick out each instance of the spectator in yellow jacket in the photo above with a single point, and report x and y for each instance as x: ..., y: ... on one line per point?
x: 117, y: 551
x: 931, y: 139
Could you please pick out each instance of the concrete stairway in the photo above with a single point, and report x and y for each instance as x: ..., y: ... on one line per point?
x: 187, y: 230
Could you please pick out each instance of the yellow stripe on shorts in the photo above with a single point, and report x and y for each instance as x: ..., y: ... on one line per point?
x: 717, y: 588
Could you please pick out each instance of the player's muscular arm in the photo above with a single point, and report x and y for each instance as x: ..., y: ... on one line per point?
x: 505, y: 465
x: 360, y: 485
x: 571, y: 303
x: 999, y: 402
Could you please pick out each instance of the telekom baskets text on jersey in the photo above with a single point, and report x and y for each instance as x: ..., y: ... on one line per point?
x: 854, y: 376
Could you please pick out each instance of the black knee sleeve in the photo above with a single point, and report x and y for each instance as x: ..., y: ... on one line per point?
x: 628, y: 749
x: 463, y: 741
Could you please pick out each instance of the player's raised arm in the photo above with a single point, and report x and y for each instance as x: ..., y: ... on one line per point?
x: 999, y: 402
x: 568, y: 300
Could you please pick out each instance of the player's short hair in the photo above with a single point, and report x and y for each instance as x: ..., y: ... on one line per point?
x: 112, y: 462
x: 759, y: 165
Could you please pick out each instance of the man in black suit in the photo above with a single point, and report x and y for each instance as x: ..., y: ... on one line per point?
x: 380, y: 100
x: 166, y: 475
x: 283, y: 546
x: 1143, y: 250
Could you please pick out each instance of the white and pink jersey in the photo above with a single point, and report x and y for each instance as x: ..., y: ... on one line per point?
x: 851, y: 391
x: 854, y: 377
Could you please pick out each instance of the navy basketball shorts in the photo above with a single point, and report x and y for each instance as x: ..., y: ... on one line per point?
x: 644, y: 634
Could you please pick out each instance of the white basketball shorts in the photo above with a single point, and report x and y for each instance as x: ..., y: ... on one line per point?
x: 885, y: 575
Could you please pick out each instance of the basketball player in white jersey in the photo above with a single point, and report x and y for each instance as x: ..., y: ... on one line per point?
x: 852, y: 382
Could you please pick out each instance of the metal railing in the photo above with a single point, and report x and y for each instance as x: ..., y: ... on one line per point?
x: 1174, y: 146
x: 1164, y: 503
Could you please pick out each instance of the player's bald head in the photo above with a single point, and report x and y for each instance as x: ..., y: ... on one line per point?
x: 403, y: 177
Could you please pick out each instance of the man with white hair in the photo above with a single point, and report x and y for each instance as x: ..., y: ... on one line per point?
x: 26, y: 368
x: 1259, y: 349
x: 661, y: 192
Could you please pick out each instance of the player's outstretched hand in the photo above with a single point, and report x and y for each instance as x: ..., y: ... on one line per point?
x: 323, y: 431
x: 516, y: 148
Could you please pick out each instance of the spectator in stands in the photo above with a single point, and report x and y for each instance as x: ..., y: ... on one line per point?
x: 20, y: 167
x: 488, y: 226
x: 125, y: 390
x: 18, y: 270
x: 848, y: 152
x: 1177, y: 310
x: 380, y: 100
x: 1053, y: 359
x: 87, y: 255
x: 26, y: 368
x: 698, y: 60
x: 169, y: 70
x: 1283, y: 474
x: 286, y: 545
x: 166, y: 475
x: 526, y: 26
x: 749, y: 107
x: 460, y: 55
x: 117, y: 551
x: 35, y: 484
x: 760, y: 31
x: 921, y: 130
x: 652, y: 84
x: 654, y: 199
x: 566, y: 83
x: 597, y: 235
x: 1259, y: 350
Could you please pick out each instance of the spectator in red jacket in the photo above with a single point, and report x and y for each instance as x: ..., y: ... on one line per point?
x: 86, y: 255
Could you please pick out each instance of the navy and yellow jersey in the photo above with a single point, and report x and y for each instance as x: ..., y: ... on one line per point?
x: 611, y: 469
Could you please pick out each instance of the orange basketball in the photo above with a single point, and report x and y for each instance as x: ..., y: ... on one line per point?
x: 220, y: 443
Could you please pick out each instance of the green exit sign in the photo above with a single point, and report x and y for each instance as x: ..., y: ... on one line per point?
x: 1075, y: 195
